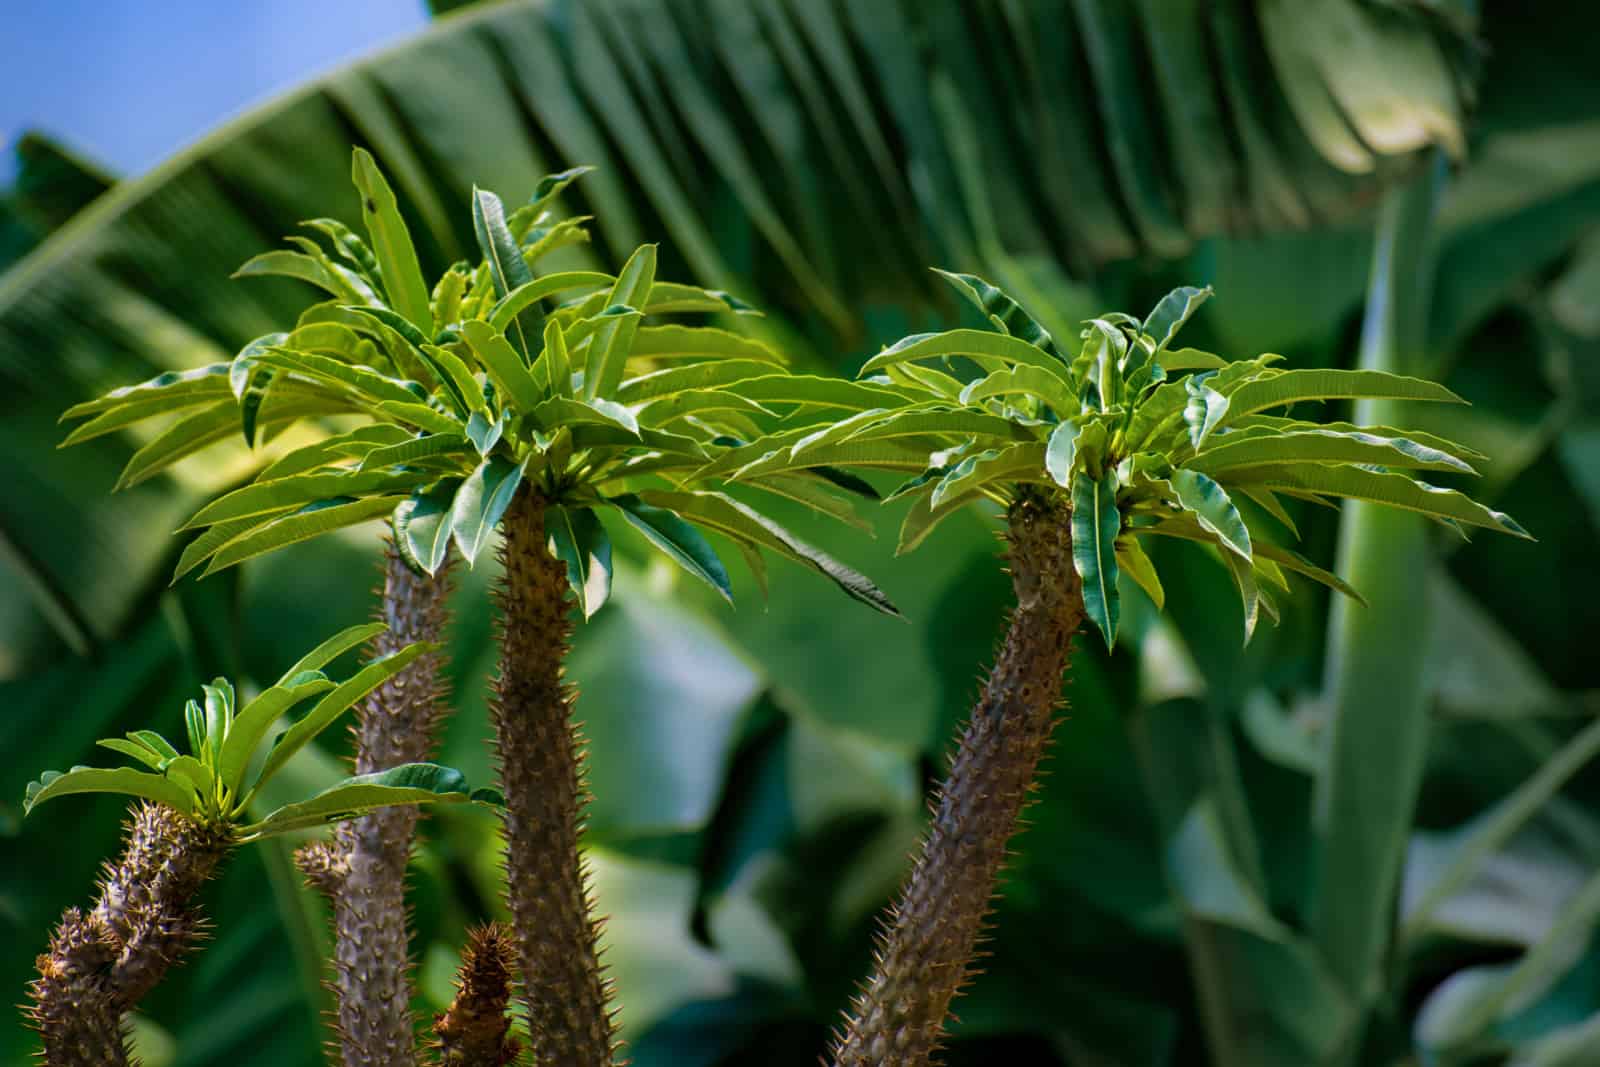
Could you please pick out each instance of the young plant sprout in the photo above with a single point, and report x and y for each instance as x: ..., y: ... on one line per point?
x: 196, y: 807
x: 487, y: 407
x: 1090, y: 450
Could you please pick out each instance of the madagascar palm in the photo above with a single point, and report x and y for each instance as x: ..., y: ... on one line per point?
x: 195, y: 809
x: 487, y: 409
x: 1089, y: 452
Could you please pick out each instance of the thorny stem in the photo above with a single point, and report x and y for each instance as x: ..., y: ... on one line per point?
x: 475, y: 1032
x: 927, y: 946
x: 541, y: 768
x: 364, y: 871
x: 101, y: 965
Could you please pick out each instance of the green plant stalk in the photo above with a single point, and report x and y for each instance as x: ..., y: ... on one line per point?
x: 99, y: 966
x: 398, y: 723
x: 565, y: 990
x: 1367, y: 787
x: 926, y: 952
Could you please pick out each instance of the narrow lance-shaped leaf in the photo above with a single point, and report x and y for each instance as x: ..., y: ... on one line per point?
x: 1095, y: 525
x: 330, y: 707
x: 578, y: 539
x: 1060, y: 451
x: 1213, y: 508
x: 608, y: 352
x: 409, y: 783
x: 422, y: 528
x: 501, y: 254
x: 682, y: 543
x: 1204, y: 410
x: 1001, y: 310
x: 480, y: 503
x: 1172, y: 312
x: 397, y: 257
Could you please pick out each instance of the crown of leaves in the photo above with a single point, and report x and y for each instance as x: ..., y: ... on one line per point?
x: 1142, y: 437
x: 567, y: 382
x: 216, y: 780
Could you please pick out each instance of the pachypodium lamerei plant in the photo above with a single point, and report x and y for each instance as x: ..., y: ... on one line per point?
x: 1089, y: 450
x: 196, y: 807
x: 488, y: 406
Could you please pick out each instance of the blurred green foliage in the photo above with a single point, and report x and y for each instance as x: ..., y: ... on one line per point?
x: 759, y: 774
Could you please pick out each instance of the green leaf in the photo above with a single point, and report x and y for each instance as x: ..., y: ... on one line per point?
x: 1006, y: 314
x: 480, y: 502
x: 699, y: 376
x: 331, y: 706
x: 301, y: 489
x: 1213, y: 508
x: 177, y: 388
x: 1027, y: 381
x: 558, y: 411
x: 209, y: 425
x: 1244, y: 449
x: 219, y: 712
x: 257, y: 717
x: 307, y: 268
x: 1022, y: 462
x: 578, y: 539
x: 747, y: 526
x: 613, y: 341
x: 421, y: 416
x: 556, y: 360
x: 915, y: 423
x: 330, y: 650
x: 311, y: 521
x: 483, y: 433
x: 1395, y: 490
x: 456, y: 378
x: 1182, y: 359
x: 508, y: 271
x: 132, y: 749
x: 364, y: 381
x: 1095, y: 524
x: 1292, y: 386
x: 413, y: 449
x: 816, y: 391
x: 1132, y: 561
x: 1204, y: 410
x: 250, y: 382
x: 972, y: 343
x: 699, y: 342
x: 509, y: 306
x: 422, y: 527
x: 682, y: 543
x: 1060, y: 451
x: 409, y: 783
x: 1172, y: 312
x: 391, y: 241
x: 1190, y: 530
x: 125, y: 780
x: 1249, y: 595
x: 505, y: 367
x: 669, y: 297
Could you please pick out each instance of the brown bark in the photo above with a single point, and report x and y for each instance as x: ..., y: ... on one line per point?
x: 99, y: 966
x: 364, y: 872
x: 475, y: 1031
x: 927, y: 946
x: 541, y: 769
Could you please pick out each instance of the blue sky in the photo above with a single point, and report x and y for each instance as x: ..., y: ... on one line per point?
x: 128, y: 82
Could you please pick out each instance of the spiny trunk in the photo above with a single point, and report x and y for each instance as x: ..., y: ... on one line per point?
x: 926, y: 949
x: 364, y: 873
x: 99, y: 966
x: 541, y: 769
x: 475, y: 1031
